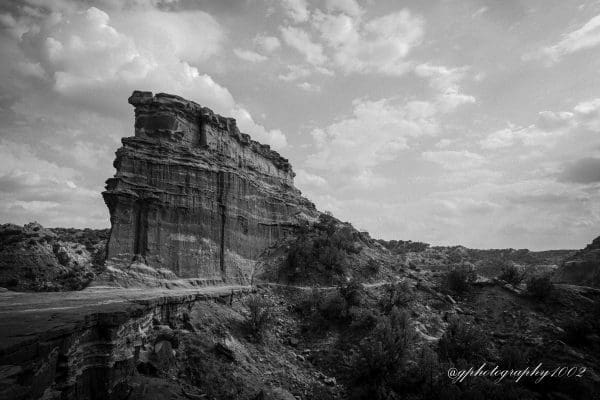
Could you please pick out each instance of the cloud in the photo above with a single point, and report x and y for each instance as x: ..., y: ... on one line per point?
x: 378, y: 45
x: 446, y: 82
x: 349, y: 7
x: 304, y: 178
x: 549, y: 129
x: 455, y: 160
x: 309, y: 87
x: 90, y: 52
x: 249, y: 55
x: 377, y: 131
x: 294, y: 72
x: 301, y: 41
x: 586, y: 37
x: 267, y: 44
x: 297, y: 10
x: 585, y: 170
x: 32, y: 188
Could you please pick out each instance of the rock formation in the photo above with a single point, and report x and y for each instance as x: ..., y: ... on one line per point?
x: 193, y: 197
x: 34, y: 258
x: 583, y: 267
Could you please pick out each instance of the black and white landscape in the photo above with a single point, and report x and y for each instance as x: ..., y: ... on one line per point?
x: 299, y: 199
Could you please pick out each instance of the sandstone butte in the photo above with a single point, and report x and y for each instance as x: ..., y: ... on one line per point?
x: 193, y: 198
x: 193, y: 204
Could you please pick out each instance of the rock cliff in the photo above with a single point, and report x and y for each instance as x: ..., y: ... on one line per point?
x: 195, y: 198
x: 34, y: 258
x: 583, y: 267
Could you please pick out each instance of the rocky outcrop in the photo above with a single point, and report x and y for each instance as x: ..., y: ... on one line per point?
x: 34, y: 258
x: 87, y: 345
x: 195, y: 198
x: 583, y: 267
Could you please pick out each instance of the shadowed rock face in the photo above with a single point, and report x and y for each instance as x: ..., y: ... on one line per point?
x: 195, y: 198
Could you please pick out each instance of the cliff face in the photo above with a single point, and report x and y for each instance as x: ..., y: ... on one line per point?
x: 583, y: 267
x: 194, y: 197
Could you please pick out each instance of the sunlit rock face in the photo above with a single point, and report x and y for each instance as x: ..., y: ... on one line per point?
x: 196, y: 197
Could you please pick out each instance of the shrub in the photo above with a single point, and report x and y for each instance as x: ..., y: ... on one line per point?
x: 395, y: 295
x: 323, y: 252
x: 382, y: 354
x: 462, y: 341
x: 459, y: 280
x: 353, y: 293
x: 511, y: 274
x: 333, y: 308
x: 540, y: 287
x: 311, y: 302
x: 261, y: 315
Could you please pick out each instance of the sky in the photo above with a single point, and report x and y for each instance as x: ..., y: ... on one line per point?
x: 473, y: 122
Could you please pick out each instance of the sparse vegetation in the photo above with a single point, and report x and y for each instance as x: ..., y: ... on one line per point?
x: 261, y: 315
x: 381, y: 355
x: 459, y: 280
x: 512, y: 274
x: 463, y: 341
x: 540, y: 287
x: 395, y: 295
x: 322, y: 254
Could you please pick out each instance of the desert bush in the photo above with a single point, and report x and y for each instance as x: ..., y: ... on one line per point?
x: 362, y: 318
x: 462, y: 341
x: 333, y: 308
x: 511, y: 274
x: 395, y: 295
x: 353, y: 293
x: 540, y: 287
x: 381, y: 355
x: 260, y: 317
x: 459, y: 280
x: 310, y: 302
x: 322, y: 254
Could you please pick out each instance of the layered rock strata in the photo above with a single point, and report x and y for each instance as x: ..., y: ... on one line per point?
x: 193, y: 197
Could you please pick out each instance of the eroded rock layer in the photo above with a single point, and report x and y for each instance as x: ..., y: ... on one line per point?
x: 194, y: 197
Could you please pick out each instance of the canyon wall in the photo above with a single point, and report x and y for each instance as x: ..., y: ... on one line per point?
x: 194, y: 197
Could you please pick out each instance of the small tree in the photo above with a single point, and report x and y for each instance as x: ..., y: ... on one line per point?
x: 382, y: 354
x: 459, y: 280
x: 395, y: 295
x: 261, y: 315
x: 512, y: 274
x: 462, y: 341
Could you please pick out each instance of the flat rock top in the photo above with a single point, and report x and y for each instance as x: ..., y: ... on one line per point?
x: 27, y: 317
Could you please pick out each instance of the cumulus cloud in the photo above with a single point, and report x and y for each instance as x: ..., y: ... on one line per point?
x: 549, y: 129
x: 301, y: 41
x: 377, y: 131
x: 349, y: 7
x: 378, y: 45
x: 446, y: 82
x: 586, y: 37
x: 67, y: 72
x: 90, y: 52
x: 306, y: 179
x: 249, y: 55
x: 309, y: 87
x: 32, y: 188
x: 267, y: 44
x: 297, y: 10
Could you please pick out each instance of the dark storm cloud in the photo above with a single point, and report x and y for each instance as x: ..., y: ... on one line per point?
x: 585, y: 170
